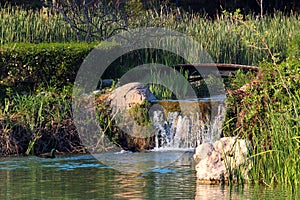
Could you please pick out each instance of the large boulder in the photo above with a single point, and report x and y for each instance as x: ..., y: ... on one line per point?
x: 227, y: 157
x: 129, y: 105
x: 129, y: 95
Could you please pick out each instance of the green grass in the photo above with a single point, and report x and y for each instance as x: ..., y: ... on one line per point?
x: 223, y: 39
x: 169, y: 84
x: 32, y: 116
x: 18, y: 25
x: 276, y: 158
x: 276, y: 146
x: 268, y: 115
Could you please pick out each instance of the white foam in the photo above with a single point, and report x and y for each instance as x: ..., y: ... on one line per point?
x: 177, y: 132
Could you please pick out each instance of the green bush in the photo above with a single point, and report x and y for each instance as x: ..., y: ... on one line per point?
x: 24, y: 63
x: 267, y: 113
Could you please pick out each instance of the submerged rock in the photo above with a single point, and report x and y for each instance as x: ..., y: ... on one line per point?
x: 227, y: 157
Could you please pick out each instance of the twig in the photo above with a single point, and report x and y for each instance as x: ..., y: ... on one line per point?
x: 107, y: 126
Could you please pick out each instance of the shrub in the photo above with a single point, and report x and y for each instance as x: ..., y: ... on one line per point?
x: 268, y: 114
x: 35, y: 63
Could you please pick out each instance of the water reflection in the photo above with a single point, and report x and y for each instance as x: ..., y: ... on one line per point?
x: 212, y: 192
x: 130, y: 186
x: 84, y: 177
x: 144, y: 161
x: 217, y: 192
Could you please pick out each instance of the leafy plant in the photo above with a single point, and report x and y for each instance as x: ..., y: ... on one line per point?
x: 267, y: 113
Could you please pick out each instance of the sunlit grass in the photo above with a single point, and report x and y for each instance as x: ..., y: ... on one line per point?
x: 222, y: 38
x: 19, y: 25
x: 35, y: 112
x: 276, y: 153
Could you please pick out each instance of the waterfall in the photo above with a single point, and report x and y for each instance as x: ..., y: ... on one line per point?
x: 174, y: 130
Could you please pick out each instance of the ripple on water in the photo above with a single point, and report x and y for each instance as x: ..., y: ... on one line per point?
x: 84, y: 177
x: 59, y: 163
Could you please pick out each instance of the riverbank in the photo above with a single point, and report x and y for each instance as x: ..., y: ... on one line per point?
x: 34, y: 123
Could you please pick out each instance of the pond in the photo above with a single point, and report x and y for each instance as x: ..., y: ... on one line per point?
x: 117, y: 176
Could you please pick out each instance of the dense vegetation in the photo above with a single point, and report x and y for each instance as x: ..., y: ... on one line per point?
x: 36, y: 81
x: 206, y: 7
x: 267, y: 113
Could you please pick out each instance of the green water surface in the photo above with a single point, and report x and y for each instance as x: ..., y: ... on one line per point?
x: 85, y: 177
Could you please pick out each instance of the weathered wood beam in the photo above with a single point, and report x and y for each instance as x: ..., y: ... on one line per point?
x: 224, y: 70
x: 220, y: 66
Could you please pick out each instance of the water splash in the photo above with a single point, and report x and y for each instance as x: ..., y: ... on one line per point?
x: 178, y: 131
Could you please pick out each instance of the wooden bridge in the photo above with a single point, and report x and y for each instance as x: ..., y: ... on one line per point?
x: 224, y: 70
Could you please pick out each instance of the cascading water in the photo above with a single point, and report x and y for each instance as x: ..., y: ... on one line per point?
x: 174, y: 130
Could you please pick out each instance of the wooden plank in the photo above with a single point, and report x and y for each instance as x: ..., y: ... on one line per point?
x: 220, y: 66
x: 224, y: 70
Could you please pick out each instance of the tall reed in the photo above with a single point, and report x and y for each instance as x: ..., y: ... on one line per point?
x: 222, y: 38
x: 37, y: 113
x: 276, y: 149
x: 19, y: 25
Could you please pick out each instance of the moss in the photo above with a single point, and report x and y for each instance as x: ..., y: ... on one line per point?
x: 140, y: 113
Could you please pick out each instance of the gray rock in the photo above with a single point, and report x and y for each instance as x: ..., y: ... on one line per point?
x: 131, y: 133
x: 126, y: 96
